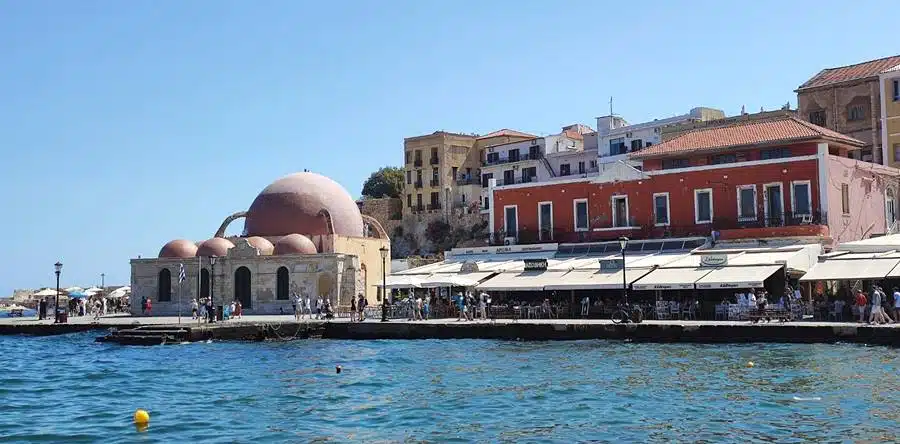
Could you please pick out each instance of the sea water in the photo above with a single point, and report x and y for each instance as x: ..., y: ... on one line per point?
x: 70, y: 389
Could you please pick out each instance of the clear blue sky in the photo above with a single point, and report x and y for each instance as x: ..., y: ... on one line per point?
x: 125, y: 124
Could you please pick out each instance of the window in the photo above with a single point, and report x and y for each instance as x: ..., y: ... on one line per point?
x: 703, y: 206
x: 897, y: 152
x: 620, y: 211
x: 511, y: 220
x: 418, y: 157
x: 669, y: 164
x: 409, y: 200
x: 454, y: 172
x: 897, y: 90
x: 434, y: 156
x: 775, y: 153
x: 419, y: 200
x: 493, y: 158
x: 581, y: 214
x: 564, y: 170
x: 723, y: 158
x: 617, y: 146
x: 581, y: 169
x: 746, y: 200
x: 418, y: 176
x: 545, y: 220
x: 661, y: 209
x: 636, y: 144
x: 164, y: 285
x: 485, y: 178
x: 593, y: 164
x: 845, y: 199
x: 649, y: 144
x: 528, y: 174
x: 435, y: 199
x: 534, y: 152
x: 434, y: 176
x: 856, y: 112
x: 509, y: 177
x: 890, y: 210
x: 408, y: 157
x: 282, y: 284
x: 408, y: 177
x: 817, y: 118
x: 801, y: 203
x: 514, y: 155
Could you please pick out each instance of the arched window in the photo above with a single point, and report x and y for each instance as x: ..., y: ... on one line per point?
x: 282, y: 284
x: 242, y: 287
x: 164, y: 285
x: 204, y: 283
x: 890, y: 215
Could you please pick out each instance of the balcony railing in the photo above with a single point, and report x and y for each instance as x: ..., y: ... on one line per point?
x: 516, y: 180
x: 502, y: 160
x: 608, y: 232
x: 417, y: 162
x: 418, y: 184
x: 434, y: 206
x: 435, y: 183
x: 434, y: 161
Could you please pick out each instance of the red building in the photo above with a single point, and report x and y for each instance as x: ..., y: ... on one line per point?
x: 781, y: 177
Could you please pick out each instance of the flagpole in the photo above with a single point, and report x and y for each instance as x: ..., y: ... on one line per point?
x: 199, y: 287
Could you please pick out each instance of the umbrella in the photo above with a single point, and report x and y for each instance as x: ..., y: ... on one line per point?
x: 402, y: 282
x: 77, y: 294
x: 73, y: 289
x: 45, y: 292
x: 93, y: 290
x: 119, y: 292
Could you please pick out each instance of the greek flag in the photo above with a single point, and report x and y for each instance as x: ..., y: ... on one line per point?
x: 181, y: 276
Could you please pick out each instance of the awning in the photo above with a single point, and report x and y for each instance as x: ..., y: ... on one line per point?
x: 738, y: 277
x: 454, y: 279
x: 850, y: 269
x: 671, y: 279
x: 595, y: 280
x: 402, y: 281
x: 521, y: 281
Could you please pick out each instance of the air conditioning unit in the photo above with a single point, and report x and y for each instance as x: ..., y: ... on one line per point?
x: 511, y: 240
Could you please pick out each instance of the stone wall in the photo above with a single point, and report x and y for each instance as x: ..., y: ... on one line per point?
x: 836, y: 100
x: 387, y: 211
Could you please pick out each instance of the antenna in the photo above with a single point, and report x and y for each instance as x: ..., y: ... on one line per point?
x: 610, y: 106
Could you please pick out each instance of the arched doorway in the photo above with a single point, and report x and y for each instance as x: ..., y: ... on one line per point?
x: 242, y: 287
x: 282, y: 284
x: 204, y: 283
x: 164, y: 285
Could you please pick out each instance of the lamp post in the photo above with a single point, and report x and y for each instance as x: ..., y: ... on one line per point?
x: 623, y: 243
x: 384, y: 300
x: 212, y: 280
x: 57, y: 267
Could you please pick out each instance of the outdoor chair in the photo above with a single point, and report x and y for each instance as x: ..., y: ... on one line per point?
x: 721, y: 312
x: 662, y: 310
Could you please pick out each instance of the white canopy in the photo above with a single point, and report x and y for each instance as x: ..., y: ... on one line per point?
x: 594, y: 280
x: 453, y: 279
x: 850, y: 269
x: 521, y: 281
x: 72, y: 289
x: 45, y: 292
x: 403, y: 281
x: 119, y: 292
x: 93, y: 290
x: 671, y: 279
x: 737, y: 277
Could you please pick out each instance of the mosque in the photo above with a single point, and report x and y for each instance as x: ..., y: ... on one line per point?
x: 303, y: 235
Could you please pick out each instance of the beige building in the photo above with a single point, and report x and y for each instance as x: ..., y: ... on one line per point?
x: 890, y: 115
x: 303, y: 235
x: 847, y: 99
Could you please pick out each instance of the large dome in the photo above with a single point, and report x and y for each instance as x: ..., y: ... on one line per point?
x: 294, y: 244
x: 216, y: 246
x: 178, y: 249
x: 293, y: 204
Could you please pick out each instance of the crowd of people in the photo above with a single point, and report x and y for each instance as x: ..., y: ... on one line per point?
x: 876, y: 308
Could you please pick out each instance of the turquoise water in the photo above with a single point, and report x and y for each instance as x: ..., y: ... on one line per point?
x: 67, y: 388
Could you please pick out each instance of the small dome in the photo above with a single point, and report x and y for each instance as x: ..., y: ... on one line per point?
x: 217, y: 246
x: 178, y: 249
x: 262, y: 244
x: 295, y: 244
x: 294, y: 204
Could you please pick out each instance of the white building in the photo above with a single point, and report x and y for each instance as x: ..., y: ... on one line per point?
x: 616, y: 138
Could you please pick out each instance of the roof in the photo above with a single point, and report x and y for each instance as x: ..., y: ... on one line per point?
x: 507, y: 132
x: 747, y: 133
x: 572, y: 134
x: 893, y: 69
x: 859, y: 71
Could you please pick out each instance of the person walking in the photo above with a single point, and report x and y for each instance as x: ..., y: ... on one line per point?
x: 352, y: 309
x: 585, y: 306
x: 861, y: 302
x: 426, y: 306
x: 195, y: 309
x: 361, y: 307
x: 896, y: 296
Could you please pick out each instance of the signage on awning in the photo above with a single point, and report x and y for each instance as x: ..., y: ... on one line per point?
x: 535, y: 264
x: 713, y: 260
x: 611, y: 265
x: 468, y: 267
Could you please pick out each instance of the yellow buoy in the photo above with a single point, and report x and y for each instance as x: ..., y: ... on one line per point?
x: 141, y: 417
x: 750, y: 364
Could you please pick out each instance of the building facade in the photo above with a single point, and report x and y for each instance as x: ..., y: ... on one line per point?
x: 776, y: 178
x: 889, y: 82
x: 303, y: 236
x: 847, y: 99
x: 616, y: 138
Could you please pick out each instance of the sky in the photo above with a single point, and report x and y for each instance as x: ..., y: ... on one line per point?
x: 124, y: 125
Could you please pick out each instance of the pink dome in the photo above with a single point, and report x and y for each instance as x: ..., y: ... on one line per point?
x: 217, y: 246
x: 178, y: 249
x: 295, y: 244
x: 293, y: 204
x: 262, y: 244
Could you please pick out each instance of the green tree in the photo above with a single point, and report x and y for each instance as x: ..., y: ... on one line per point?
x: 386, y: 182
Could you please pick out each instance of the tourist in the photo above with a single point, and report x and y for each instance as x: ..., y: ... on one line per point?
x: 210, y: 311
x: 295, y: 301
x: 202, y: 314
x: 307, y: 307
x: 149, y: 307
x: 143, y: 305
x: 861, y: 302
x: 361, y: 307
x: 585, y: 306
x: 42, y: 309
x: 97, y: 312
x: 751, y: 298
x: 426, y: 306
x: 461, y: 303
x: 353, y: 309
x: 232, y: 310
x: 319, y: 306
x: 482, y: 306
x: 195, y: 308
x: 417, y: 308
x: 896, y: 296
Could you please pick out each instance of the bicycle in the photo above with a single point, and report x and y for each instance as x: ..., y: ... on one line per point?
x: 627, y: 315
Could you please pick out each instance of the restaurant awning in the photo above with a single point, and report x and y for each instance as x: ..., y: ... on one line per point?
x: 751, y: 276
x: 521, y: 281
x: 453, y: 279
x: 850, y: 269
x: 596, y: 280
x: 671, y: 278
x: 403, y: 281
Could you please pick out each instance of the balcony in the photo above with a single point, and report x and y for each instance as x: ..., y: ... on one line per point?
x: 435, y: 183
x: 417, y: 208
x: 503, y: 160
x: 434, y: 206
x: 467, y: 181
x: 418, y: 184
x: 418, y: 162
x: 434, y: 160
x: 516, y: 180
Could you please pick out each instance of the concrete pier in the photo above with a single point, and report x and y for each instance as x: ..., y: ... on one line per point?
x: 284, y: 327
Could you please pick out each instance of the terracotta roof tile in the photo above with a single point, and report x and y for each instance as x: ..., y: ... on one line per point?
x: 573, y: 134
x: 852, y: 72
x: 748, y: 133
x: 507, y: 132
x: 893, y: 69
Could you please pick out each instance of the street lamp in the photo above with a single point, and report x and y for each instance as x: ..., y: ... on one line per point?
x: 384, y: 253
x: 623, y: 243
x: 57, y: 268
x: 212, y: 280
